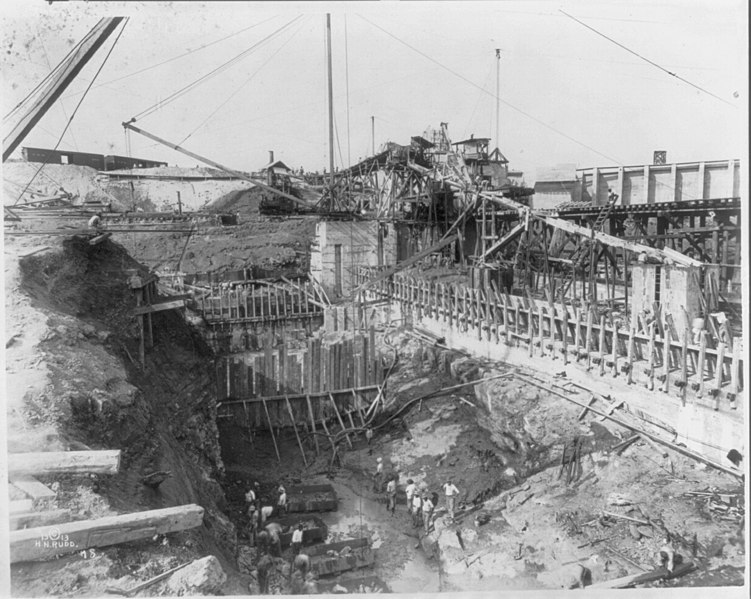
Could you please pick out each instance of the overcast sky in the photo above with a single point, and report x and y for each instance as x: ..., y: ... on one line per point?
x: 567, y: 95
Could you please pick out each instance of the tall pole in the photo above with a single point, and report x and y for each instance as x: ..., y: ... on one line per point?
x: 372, y: 133
x: 497, y: 97
x: 331, y: 101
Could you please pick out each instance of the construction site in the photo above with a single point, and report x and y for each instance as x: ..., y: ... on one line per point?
x: 416, y: 373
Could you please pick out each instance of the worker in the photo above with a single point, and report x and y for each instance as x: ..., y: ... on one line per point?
x: 95, y: 222
x: 302, y: 563
x: 449, y: 488
x: 378, y: 476
x: 427, y: 512
x: 253, y: 528
x: 369, y: 438
x: 391, y: 494
x: 410, y: 491
x: 666, y: 554
x: 282, y: 500
x: 262, y: 539
x: 416, y: 510
x: 265, y: 563
x: 274, y: 530
x: 297, y: 540
x: 266, y: 513
x: 250, y: 497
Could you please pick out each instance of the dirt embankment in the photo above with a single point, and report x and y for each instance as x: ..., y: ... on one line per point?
x: 97, y: 396
x: 271, y: 243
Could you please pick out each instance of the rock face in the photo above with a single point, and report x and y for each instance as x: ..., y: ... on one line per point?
x: 202, y: 577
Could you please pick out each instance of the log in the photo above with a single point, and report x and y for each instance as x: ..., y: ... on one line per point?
x: 26, y: 519
x: 180, y: 303
x: 64, y: 462
x: 633, y: 579
x: 44, y: 543
x: 32, y: 487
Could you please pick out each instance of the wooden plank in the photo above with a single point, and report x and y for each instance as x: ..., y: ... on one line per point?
x: 339, y: 417
x: 644, y: 577
x: 45, y: 518
x: 297, y: 435
x: 19, y: 506
x: 64, y: 462
x: 271, y: 428
x: 33, y: 488
x: 328, y: 434
x: 700, y: 365
x: 312, y: 423
x: 719, y: 371
x: 35, y: 544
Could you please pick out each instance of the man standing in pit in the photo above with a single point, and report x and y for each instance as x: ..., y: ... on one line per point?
x: 378, y: 476
x: 297, y: 540
x: 427, y: 512
x: 416, y: 510
x: 391, y: 493
x: 451, y: 492
x: 282, y: 502
x: 274, y: 530
x: 410, y: 491
x: 253, y: 528
x: 265, y: 563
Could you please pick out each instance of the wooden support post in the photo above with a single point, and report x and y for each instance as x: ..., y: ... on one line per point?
x: 614, y: 354
x: 630, y: 356
x: 666, y: 359
x: 339, y: 418
x: 601, y: 345
x: 684, y: 366
x: 719, y: 371
x: 64, y: 462
x: 271, y: 428
x: 358, y: 407
x: 565, y: 335
x: 577, y: 332
x: 294, y: 426
x: 328, y: 434
x: 651, y: 359
x: 701, y: 362
x: 312, y: 422
x: 541, y: 323
x: 588, y: 340
x: 25, y: 544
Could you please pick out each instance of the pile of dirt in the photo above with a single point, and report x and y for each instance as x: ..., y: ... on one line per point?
x: 81, y: 181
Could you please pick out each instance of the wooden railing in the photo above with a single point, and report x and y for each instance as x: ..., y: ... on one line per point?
x: 657, y: 356
x: 245, y: 304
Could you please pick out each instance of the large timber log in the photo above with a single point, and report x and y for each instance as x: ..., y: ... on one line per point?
x: 64, y: 462
x: 46, y: 542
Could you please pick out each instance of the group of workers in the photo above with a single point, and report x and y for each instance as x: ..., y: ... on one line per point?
x: 421, y: 503
x: 268, y: 541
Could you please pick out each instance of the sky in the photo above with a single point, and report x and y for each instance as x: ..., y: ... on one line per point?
x: 566, y: 94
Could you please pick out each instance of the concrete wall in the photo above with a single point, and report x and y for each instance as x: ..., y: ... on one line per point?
x: 703, y: 430
x: 358, y: 246
x: 162, y: 194
x: 549, y: 194
x: 653, y: 184
x: 679, y: 293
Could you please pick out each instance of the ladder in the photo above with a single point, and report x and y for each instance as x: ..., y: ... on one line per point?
x: 605, y: 211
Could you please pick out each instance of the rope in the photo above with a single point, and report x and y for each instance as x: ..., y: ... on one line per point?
x: 75, y: 111
x: 213, y: 73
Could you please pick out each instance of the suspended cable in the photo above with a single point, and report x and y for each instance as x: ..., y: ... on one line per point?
x: 258, y: 70
x: 346, y: 79
x: 49, y: 76
x: 654, y: 64
x: 75, y: 110
x: 507, y: 103
x: 213, y: 73
x: 62, y: 106
x: 189, y: 52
